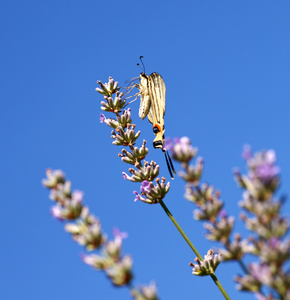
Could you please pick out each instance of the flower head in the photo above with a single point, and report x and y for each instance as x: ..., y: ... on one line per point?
x: 145, y: 292
x: 208, y: 265
x: 54, y: 177
x: 109, y: 88
x: 150, y: 193
x: 262, y: 166
x: 181, y: 149
x: 146, y: 173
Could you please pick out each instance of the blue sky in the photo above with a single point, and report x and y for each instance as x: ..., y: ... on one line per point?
x: 226, y: 68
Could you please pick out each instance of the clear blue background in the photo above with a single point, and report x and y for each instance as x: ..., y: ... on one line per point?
x: 226, y: 68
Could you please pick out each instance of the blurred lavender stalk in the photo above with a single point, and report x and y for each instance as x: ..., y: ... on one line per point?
x: 268, y: 278
x: 86, y: 230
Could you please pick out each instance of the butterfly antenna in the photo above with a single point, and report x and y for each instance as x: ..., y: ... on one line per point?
x: 170, y: 162
x: 142, y: 64
x: 169, y: 165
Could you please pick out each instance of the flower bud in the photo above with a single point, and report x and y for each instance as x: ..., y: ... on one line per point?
x: 181, y: 149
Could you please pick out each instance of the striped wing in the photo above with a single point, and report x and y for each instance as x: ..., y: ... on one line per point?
x: 145, y: 102
x: 157, y: 92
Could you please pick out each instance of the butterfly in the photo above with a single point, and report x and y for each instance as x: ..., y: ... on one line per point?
x: 152, y: 93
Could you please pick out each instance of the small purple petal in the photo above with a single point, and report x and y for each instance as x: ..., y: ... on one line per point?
x: 274, y: 242
x: 125, y: 176
x: 223, y: 213
x: 145, y: 186
x: 176, y: 140
x: 267, y: 172
x: 118, y: 233
x: 138, y: 197
x: 102, y: 118
x: 261, y: 273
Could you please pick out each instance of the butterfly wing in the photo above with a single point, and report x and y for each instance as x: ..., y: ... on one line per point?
x: 156, y: 113
x: 145, y: 102
x: 157, y: 92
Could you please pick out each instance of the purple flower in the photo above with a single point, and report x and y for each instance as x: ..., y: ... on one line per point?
x: 274, y: 242
x: 145, y: 186
x: 118, y: 233
x: 181, y: 149
x: 119, y: 236
x: 262, y: 273
x: 138, y: 197
x: 125, y: 176
x: 223, y: 213
x: 102, y: 118
x: 262, y: 167
x: 267, y: 172
x: 265, y: 167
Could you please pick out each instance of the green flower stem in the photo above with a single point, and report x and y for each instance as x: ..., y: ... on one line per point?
x: 179, y: 229
x: 213, y: 276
